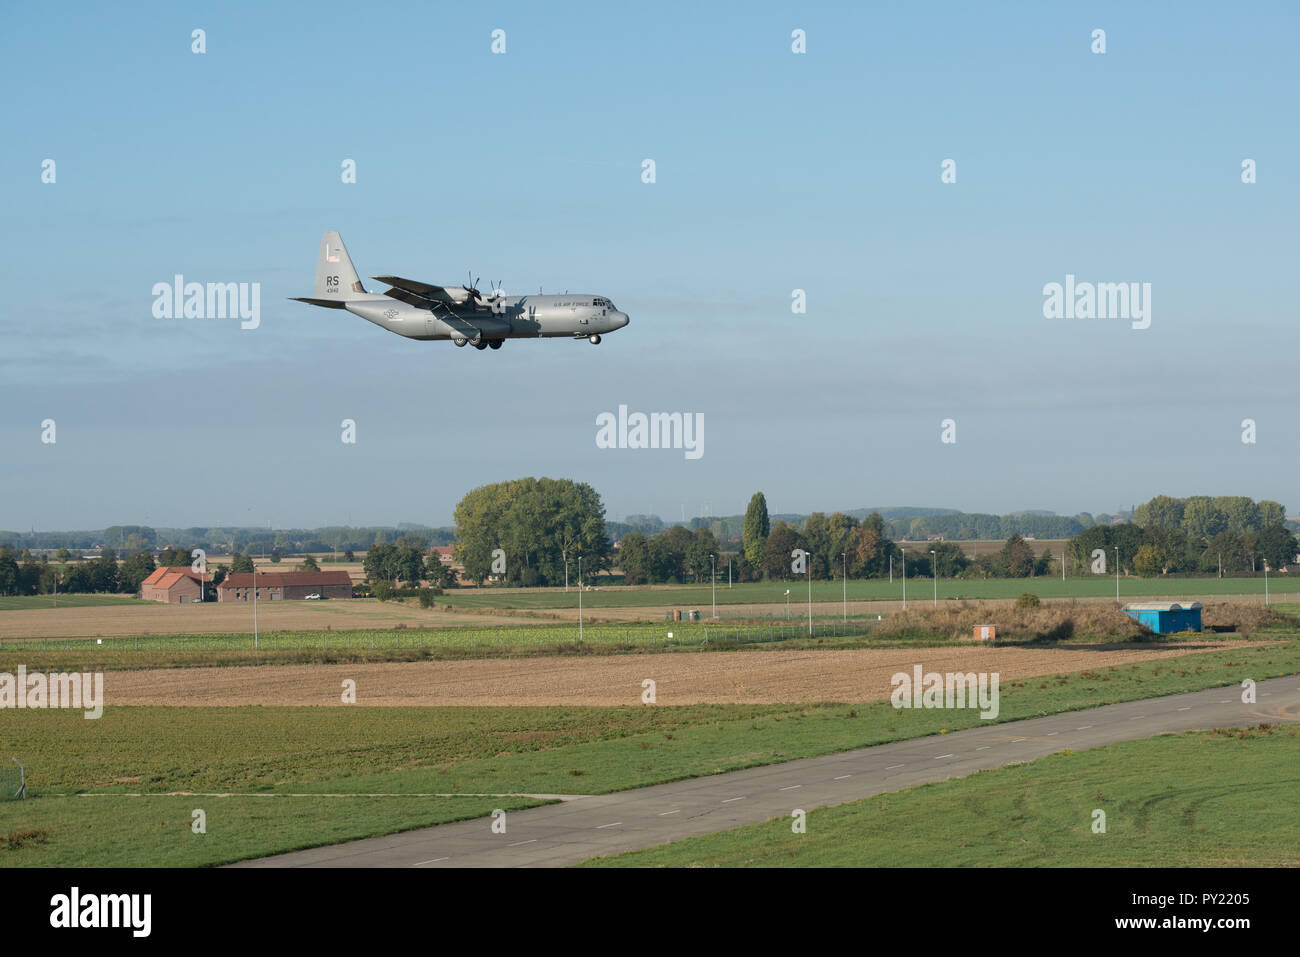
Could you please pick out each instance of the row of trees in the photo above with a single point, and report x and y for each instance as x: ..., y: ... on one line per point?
x: 973, y: 525
x: 679, y: 555
x: 103, y: 574
x: 406, y: 562
x: 1161, y: 550
x: 835, y: 545
x: 1202, y: 517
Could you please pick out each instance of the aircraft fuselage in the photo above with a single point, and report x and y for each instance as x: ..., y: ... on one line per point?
x: 511, y: 317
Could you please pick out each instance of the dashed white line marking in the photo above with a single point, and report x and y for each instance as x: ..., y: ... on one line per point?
x: 615, y: 824
x: 843, y: 776
x: 1188, y: 708
x: 984, y: 748
x: 729, y: 800
x: 939, y: 757
x: 895, y: 766
x: 434, y: 861
x: 1014, y: 740
x: 1136, y: 717
x: 1229, y: 700
x: 792, y: 787
x: 522, y: 843
x: 666, y: 813
x: 1083, y: 727
x: 1050, y: 733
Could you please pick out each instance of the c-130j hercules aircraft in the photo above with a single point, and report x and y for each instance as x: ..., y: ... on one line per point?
x: 419, y: 310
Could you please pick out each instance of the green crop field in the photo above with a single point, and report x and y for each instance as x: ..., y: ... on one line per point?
x: 24, y: 602
x: 409, y: 751
x: 918, y: 590
x: 669, y: 634
x: 1201, y: 799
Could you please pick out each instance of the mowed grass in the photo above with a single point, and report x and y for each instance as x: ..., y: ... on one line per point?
x: 919, y: 590
x: 119, y: 831
x: 407, y: 751
x: 26, y: 602
x: 1201, y: 799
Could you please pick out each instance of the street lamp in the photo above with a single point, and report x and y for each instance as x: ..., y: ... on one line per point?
x: 844, y: 577
x: 934, y: 573
x: 787, y: 603
x: 579, y: 599
x: 904, y: 551
x: 1266, y: 583
x: 1117, y: 574
x: 713, y: 577
x: 254, y: 606
x: 807, y: 567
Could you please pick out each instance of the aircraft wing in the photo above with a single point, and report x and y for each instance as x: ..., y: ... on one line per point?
x: 421, y: 293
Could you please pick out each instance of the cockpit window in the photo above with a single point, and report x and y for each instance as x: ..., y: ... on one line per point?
x: 600, y: 302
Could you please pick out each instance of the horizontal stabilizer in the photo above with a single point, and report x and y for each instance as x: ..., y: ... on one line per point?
x: 331, y: 303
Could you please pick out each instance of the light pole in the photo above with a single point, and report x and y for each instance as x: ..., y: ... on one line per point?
x: 891, y: 568
x: 1266, y: 583
x: 254, y: 606
x: 904, y: 553
x: 934, y: 573
x: 1062, y: 564
x: 566, y: 575
x: 807, y: 567
x: 787, y: 603
x: 728, y: 571
x: 844, y: 577
x: 713, y: 577
x: 579, y: 599
x: 1117, y: 574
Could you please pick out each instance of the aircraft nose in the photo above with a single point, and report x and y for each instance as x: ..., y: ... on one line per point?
x: 620, y: 320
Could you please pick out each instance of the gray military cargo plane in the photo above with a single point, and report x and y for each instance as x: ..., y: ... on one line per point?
x: 419, y: 310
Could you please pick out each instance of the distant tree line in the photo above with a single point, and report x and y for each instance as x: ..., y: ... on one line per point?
x: 1156, y: 550
x: 22, y: 574
x: 836, y: 545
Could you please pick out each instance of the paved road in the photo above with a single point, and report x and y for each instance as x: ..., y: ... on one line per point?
x: 586, y: 827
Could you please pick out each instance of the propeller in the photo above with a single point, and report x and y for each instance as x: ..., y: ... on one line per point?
x: 472, y: 289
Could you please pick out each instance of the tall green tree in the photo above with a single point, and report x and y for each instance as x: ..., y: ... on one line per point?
x: 540, y: 524
x: 1162, y: 511
x: 634, y: 558
x: 872, y: 548
x: 136, y: 567
x: 757, y: 529
x: 1202, y: 518
x: 1016, y: 559
x: 778, y: 557
x: 1277, y: 546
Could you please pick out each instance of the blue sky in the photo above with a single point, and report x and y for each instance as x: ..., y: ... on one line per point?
x: 775, y: 171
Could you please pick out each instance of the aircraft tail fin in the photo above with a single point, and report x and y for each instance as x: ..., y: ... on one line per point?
x: 336, y: 279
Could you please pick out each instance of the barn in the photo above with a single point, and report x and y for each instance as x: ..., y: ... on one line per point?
x: 1167, y: 617
x: 172, y: 585
x: 286, y: 586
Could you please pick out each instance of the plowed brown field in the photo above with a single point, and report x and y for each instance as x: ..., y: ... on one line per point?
x: 681, y: 678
